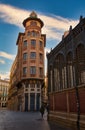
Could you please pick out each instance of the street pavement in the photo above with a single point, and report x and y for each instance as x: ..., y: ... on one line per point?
x: 10, y: 120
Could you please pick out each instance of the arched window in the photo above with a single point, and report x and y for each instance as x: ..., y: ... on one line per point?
x: 59, y: 72
x: 33, y: 55
x: 34, y: 34
x: 25, y: 43
x: 28, y: 33
x: 33, y: 43
x: 69, y: 60
x: 80, y: 64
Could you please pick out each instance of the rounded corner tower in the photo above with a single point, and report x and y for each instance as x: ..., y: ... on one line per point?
x: 31, y: 45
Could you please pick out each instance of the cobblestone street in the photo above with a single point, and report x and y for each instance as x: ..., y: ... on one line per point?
x: 10, y: 120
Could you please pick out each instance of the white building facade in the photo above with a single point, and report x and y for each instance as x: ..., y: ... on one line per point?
x: 4, y: 86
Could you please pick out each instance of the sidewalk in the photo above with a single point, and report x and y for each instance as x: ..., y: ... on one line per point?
x: 10, y: 120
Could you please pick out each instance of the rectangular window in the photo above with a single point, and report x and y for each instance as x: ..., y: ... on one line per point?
x: 41, y: 56
x: 33, y: 55
x: 33, y: 43
x: 40, y: 42
x: 25, y: 43
x: 24, y: 70
x: 32, y: 70
x: 41, y: 71
x: 28, y: 33
x: 33, y: 33
x: 25, y: 56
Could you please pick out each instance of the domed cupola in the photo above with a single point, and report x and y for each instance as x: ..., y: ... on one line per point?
x: 33, y: 15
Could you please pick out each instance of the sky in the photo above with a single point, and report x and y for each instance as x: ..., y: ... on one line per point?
x: 57, y: 16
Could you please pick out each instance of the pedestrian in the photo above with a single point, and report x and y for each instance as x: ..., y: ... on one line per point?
x: 42, y: 109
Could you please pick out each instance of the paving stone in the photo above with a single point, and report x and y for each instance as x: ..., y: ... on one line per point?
x: 10, y: 120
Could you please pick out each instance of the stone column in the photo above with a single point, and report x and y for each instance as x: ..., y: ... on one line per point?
x: 29, y: 98
x: 35, y: 100
x: 40, y: 95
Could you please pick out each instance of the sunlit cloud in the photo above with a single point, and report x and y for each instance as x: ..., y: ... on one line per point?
x: 47, y: 50
x: 6, y: 55
x: 54, y: 25
x: 2, y: 61
x: 4, y: 75
x: 12, y: 15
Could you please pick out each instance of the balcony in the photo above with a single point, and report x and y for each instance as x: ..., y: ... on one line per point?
x: 32, y: 61
x: 33, y: 47
x: 41, y: 62
x: 32, y: 75
x: 24, y: 48
x: 24, y: 62
x: 24, y: 75
x: 41, y: 48
x: 41, y: 76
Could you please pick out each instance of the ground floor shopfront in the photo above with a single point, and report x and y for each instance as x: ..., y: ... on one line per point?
x: 25, y: 98
x: 32, y: 101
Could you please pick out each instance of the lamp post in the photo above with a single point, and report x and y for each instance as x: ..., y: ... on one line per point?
x: 78, y: 108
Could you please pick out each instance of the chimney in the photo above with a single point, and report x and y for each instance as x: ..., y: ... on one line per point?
x: 70, y: 28
x: 81, y: 17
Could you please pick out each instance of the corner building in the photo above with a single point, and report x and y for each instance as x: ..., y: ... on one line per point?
x: 27, y: 76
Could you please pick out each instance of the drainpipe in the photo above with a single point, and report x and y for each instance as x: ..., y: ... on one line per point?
x: 78, y: 107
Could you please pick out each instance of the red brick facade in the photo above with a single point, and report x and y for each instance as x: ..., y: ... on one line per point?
x: 66, y: 78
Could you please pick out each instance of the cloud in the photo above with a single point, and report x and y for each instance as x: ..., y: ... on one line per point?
x: 12, y: 15
x: 6, y: 55
x: 5, y: 75
x: 2, y: 61
x: 54, y: 25
x: 47, y: 50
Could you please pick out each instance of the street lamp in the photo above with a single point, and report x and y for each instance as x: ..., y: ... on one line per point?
x: 78, y: 107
